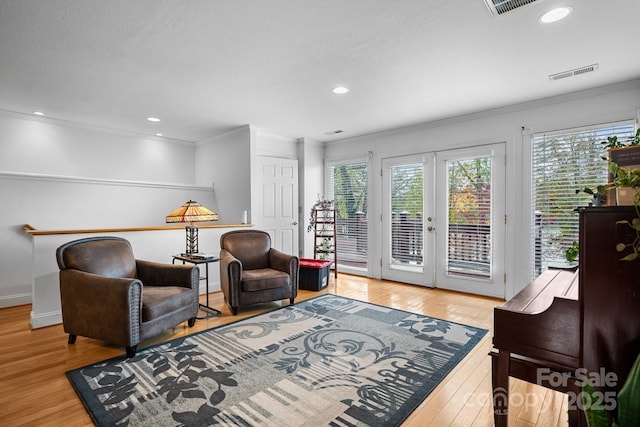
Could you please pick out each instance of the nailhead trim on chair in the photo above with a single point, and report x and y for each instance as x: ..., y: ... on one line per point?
x: 135, y: 305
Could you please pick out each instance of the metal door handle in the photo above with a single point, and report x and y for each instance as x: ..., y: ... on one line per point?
x: 430, y: 228
x: 295, y: 223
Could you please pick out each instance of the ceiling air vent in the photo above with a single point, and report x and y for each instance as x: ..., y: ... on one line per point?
x: 334, y: 132
x: 576, y: 72
x: 499, y: 7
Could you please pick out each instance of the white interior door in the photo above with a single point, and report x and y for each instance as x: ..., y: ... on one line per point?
x: 470, y: 238
x: 277, y: 204
x: 408, y: 219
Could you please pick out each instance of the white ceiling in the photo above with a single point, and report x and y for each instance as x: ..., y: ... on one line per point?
x: 206, y: 67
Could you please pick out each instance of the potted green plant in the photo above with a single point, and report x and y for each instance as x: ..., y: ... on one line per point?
x: 598, y: 196
x: 571, y: 254
x: 320, y: 204
x: 629, y: 180
x: 624, y: 160
x: 613, y: 142
x: 626, y: 182
x: 627, y: 404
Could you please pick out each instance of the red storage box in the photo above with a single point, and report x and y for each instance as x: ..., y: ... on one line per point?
x: 314, y: 274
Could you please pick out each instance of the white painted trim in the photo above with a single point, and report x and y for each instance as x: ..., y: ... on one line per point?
x: 45, y: 319
x: 213, y: 139
x: 82, y: 180
x: 13, y: 300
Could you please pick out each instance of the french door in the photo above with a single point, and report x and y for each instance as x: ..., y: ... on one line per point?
x: 443, y: 219
x: 407, y: 219
x: 470, y: 242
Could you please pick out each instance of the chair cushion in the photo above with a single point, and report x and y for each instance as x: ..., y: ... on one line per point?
x: 262, y: 279
x: 160, y: 300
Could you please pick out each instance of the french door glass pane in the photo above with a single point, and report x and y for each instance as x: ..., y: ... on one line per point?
x: 407, y: 222
x: 348, y: 187
x: 469, y: 216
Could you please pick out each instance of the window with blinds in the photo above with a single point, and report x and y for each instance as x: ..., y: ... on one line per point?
x: 469, y: 220
x: 347, y: 184
x: 563, y: 162
x: 407, y: 222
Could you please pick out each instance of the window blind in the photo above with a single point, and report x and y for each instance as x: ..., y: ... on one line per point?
x: 407, y: 222
x: 563, y: 162
x: 347, y: 185
x: 469, y: 207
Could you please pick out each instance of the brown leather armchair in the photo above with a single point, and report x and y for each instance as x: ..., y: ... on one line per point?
x: 252, y: 272
x: 109, y: 295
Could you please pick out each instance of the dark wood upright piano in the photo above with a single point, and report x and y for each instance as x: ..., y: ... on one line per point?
x: 566, y: 320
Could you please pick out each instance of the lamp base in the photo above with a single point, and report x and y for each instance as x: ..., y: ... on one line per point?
x: 192, y: 240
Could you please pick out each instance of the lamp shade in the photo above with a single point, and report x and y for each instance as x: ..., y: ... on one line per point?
x: 192, y: 212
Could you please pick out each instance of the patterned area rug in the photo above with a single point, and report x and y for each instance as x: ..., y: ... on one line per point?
x: 326, y: 361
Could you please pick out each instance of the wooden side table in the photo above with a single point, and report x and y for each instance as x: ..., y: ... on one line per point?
x: 197, y: 260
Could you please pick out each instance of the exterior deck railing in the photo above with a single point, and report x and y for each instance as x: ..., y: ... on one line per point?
x: 469, y: 245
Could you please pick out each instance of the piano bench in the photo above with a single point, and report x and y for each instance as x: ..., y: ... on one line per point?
x: 536, y: 338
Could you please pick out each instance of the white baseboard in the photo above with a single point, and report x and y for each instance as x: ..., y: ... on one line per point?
x: 45, y: 319
x: 13, y: 300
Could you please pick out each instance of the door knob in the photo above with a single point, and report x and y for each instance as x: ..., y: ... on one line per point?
x: 295, y: 222
x: 430, y: 228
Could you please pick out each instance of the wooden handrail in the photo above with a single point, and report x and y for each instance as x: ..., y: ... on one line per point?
x: 34, y: 232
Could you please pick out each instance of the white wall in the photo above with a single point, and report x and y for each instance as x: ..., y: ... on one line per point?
x: 229, y: 163
x: 224, y: 162
x: 612, y: 103
x: 310, y: 181
x: 270, y: 145
x: 54, y: 175
x: 32, y: 145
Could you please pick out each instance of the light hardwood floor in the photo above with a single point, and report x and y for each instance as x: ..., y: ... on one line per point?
x: 34, y: 390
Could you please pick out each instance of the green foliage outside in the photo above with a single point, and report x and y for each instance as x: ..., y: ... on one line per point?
x: 350, y: 189
x: 562, y: 164
x: 470, y: 191
x: 407, y: 189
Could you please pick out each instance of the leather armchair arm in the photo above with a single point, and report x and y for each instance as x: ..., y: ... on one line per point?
x: 159, y: 274
x: 230, y: 276
x: 283, y: 262
x: 288, y: 263
x: 87, y: 299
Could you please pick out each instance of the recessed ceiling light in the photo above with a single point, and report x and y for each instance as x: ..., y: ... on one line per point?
x: 556, y: 14
x: 340, y: 90
x: 38, y: 113
x: 159, y: 134
x: 153, y: 119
